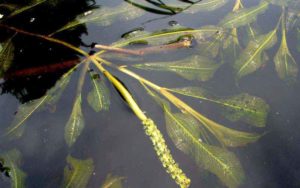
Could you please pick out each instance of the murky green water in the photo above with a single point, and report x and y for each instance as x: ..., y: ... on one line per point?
x: 115, y: 140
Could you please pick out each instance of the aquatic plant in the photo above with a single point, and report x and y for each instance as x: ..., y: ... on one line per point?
x: 205, y: 141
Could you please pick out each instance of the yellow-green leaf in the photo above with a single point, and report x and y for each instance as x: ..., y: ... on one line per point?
x: 98, y: 98
x: 12, y: 160
x: 208, y: 5
x: 112, y: 182
x: 185, y: 133
x: 6, y: 56
x: 77, y: 173
x: 75, y: 123
x: 244, y: 107
x: 243, y: 16
x: 252, y: 57
x: 191, y: 68
x: 105, y: 16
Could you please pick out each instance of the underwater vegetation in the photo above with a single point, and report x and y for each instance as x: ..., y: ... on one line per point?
x: 236, y: 40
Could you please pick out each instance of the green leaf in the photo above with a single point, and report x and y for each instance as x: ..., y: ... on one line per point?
x: 243, y: 16
x: 12, y: 160
x: 25, y: 111
x: 191, y: 68
x: 285, y: 64
x: 243, y: 107
x: 186, y: 135
x: 77, y: 173
x: 105, y: 16
x: 231, y: 46
x: 33, y: 4
x: 252, y: 57
x: 75, y: 123
x: 98, y: 98
x: 7, y: 50
x: 112, y: 182
x: 203, y: 6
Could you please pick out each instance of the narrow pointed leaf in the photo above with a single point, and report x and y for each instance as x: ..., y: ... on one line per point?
x: 112, y: 182
x: 12, y: 160
x: 203, y: 6
x: 243, y: 107
x: 285, y: 64
x: 77, y: 173
x: 105, y: 16
x: 98, y: 98
x: 252, y: 57
x: 75, y: 123
x: 26, y: 110
x: 33, y: 4
x: 194, y: 67
x: 185, y: 133
x: 6, y: 56
x: 244, y: 16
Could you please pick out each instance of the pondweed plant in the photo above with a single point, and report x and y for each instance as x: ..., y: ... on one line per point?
x: 201, y: 138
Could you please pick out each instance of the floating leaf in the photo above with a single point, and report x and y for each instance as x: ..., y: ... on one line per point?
x: 12, y: 160
x: 194, y: 67
x: 105, y: 16
x: 208, y: 5
x: 27, y: 109
x: 6, y: 56
x: 244, y: 107
x: 243, y: 16
x: 285, y: 64
x: 252, y: 57
x: 112, y: 182
x: 77, y: 173
x: 98, y: 98
x: 185, y: 133
x: 75, y: 123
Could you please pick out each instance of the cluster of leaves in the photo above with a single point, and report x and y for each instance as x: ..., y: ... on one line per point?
x: 199, y: 137
x: 77, y: 172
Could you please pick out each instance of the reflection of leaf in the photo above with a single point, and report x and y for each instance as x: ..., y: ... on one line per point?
x: 26, y: 110
x: 252, y: 57
x: 6, y: 56
x: 243, y: 16
x: 245, y: 107
x: 112, y: 182
x: 12, y: 160
x: 185, y: 133
x: 285, y: 64
x: 105, y: 16
x: 194, y: 67
x: 208, y: 5
x: 77, y: 173
x: 75, y: 123
x: 98, y: 98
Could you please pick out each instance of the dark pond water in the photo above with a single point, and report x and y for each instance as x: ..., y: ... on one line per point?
x: 115, y: 139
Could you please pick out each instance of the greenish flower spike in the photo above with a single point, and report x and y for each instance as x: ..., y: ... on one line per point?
x: 164, y: 154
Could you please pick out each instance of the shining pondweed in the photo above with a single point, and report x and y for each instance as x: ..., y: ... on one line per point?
x: 201, y: 138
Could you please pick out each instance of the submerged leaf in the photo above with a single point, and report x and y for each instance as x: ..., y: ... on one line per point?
x: 27, y: 109
x: 252, y: 57
x: 75, y: 123
x: 77, y: 173
x: 208, y: 5
x: 244, y: 16
x: 285, y: 64
x: 194, y: 67
x: 12, y: 160
x: 6, y: 56
x: 185, y: 133
x: 105, y: 16
x: 112, y: 182
x: 98, y: 98
x: 244, y: 107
